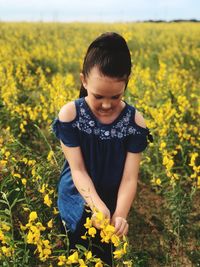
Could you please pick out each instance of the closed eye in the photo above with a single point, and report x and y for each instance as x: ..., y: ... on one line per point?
x: 115, y: 97
x: 98, y: 97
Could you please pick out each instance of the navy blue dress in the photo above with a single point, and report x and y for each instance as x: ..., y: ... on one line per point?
x: 104, y: 148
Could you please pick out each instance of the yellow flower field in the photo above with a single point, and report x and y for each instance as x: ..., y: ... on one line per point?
x: 39, y: 72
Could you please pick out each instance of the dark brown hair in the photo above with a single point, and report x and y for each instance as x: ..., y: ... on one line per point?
x: 110, y: 53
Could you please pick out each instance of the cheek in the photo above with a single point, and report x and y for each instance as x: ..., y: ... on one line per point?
x: 96, y: 103
x: 117, y: 102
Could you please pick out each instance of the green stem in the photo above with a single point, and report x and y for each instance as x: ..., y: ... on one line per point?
x: 40, y: 131
x: 11, y: 222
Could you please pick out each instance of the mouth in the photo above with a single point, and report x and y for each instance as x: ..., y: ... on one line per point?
x: 105, y: 111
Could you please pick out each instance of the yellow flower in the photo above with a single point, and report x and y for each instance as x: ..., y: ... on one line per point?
x: 99, y: 264
x: 55, y: 211
x: 62, y: 260
x: 7, y: 154
x: 31, y: 162
x: 42, y: 190
x: 2, y: 237
x: 88, y: 255
x: 50, y: 223
x: 6, y: 251
x: 110, y: 229
x: 88, y: 223
x: 33, y: 216
x: 40, y: 227
x: 118, y: 254
x: 46, y: 253
x: 17, y: 175
x: 198, y: 182
x: 193, y: 158
x: 84, y: 236
x: 115, y: 240
x: 24, y: 181
x: 5, y: 227
x: 73, y: 258
x: 82, y: 263
x: 22, y: 227
x: 158, y: 181
x: 92, y: 231
x: 47, y: 200
x: 25, y: 160
x: 30, y: 237
x: 128, y: 263
x: 125, y: 247
x: 104, y: 236
x: 33, y: 172
x: 3, y: 163
x: 50, y: 155
x: 162, y: 145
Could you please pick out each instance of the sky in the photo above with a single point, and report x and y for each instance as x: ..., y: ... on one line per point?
x: 99, y: 10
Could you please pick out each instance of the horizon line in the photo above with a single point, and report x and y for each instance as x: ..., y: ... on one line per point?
x: 102, y: 21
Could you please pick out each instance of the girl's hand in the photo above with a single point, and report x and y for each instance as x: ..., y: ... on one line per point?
x: 120, y: 224
x: 106, y: 214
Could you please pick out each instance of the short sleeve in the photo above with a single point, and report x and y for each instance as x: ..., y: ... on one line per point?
x: 137, y: 143
x: 65, y: 132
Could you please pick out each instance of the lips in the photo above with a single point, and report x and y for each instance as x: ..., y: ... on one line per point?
x: 105, y: 111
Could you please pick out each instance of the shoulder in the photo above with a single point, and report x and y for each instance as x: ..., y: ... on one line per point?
x: 139, y: 119
x: 68, y: 112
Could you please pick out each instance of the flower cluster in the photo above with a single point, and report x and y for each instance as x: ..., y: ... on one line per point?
x: 5, y: 248
x: 107, y: 232
x: 34, y: 227
x: 83, y: 259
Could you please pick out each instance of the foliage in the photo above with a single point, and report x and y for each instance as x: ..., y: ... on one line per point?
x: 39, y: 72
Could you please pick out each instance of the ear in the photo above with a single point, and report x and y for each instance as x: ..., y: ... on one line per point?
x: 83, y: 80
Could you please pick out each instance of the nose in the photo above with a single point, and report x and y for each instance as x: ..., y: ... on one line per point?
x: 106, y: 105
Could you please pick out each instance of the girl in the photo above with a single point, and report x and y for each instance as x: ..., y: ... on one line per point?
x: 102, y: 138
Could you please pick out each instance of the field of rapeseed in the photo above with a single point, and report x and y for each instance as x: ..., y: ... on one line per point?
x: 39, y: 72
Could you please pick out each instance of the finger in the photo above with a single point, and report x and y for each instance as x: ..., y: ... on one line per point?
x: 123, y: 227
x: 117, y: 224
x: 121, y: 230
x: 112, y: 222
x: 95, y: 223
x: 119, y: 220
x: 120, y: 225
x: 126, y: 229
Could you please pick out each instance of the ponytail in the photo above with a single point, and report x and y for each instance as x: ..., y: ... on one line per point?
x: 83, y: 92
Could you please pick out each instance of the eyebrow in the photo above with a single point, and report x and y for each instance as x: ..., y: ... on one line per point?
x: 103, y: 96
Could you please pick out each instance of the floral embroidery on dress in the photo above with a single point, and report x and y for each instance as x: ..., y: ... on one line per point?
x: 120, y: 129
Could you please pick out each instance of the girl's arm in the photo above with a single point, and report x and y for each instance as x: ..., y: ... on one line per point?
x: 82, y: 180
x: 126, y: 192
x: 80, y: 177
x: 128, y: 186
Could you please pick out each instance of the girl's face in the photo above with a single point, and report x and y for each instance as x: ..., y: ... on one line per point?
x: 104, y: 93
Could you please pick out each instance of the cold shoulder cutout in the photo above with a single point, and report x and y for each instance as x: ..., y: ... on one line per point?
x: 139, y: 119
x: 68, y: 112
x: 137, y: 143
x: 64, y: 130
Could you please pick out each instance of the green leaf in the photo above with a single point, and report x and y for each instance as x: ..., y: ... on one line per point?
x: 16, y: 201
x: 7, y: 211
x: 3, y: 201
x: 80, y: 247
